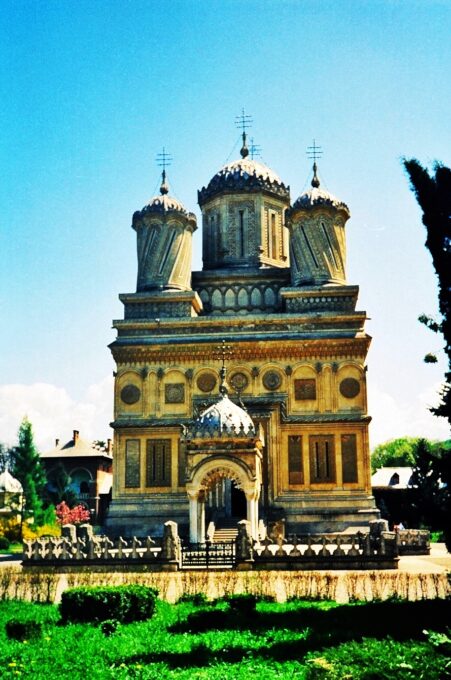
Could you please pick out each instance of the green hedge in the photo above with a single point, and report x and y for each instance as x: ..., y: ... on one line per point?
x: 23, y: 630
x: 123, y: 603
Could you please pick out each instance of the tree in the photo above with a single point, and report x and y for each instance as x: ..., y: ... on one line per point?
x: 58, y: 487
x: 394, y: 453
x: 433, y: 194
x: 27, y: 468
x: 5, y: 458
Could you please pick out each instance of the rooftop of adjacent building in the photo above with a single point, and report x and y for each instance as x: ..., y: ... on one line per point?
x: 9, y: 484
x: 393, y: 477
x: 77, y: 447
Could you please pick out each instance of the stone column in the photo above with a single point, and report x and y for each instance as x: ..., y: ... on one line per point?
x: 201, y: 518
x: 252, y: 512
x: 193, y: 517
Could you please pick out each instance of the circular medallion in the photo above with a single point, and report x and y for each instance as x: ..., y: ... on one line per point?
x: 130, y: 394
x: 239, y: 381
x: 272, y: 380
x: 206, y: 382
x: 350, y: 388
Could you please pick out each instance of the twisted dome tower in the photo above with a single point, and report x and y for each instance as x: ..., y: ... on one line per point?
x: 164, y: 231
x: 317, y: 237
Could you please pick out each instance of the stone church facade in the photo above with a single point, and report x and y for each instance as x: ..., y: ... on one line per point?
x: 280, y: 432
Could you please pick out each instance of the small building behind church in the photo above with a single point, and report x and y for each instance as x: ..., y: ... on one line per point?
x: 240, y: 390
x: 89, y: 466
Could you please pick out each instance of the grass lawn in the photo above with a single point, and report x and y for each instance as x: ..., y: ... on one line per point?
x: 295, y: 640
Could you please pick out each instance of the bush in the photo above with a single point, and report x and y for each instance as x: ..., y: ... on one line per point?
x: 198, y: 599
x: 243, y: 603
x: 10, y: 528
x: 4, y: 543
x: 31, y: 533
x: 124, y: 603
x: 23, y: 630
x: 109, y: 626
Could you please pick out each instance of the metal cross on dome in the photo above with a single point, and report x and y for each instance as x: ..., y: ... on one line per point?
x: 223, y: 352
x: 244, y: 122
x: 164, y: 160
x: 314, y: 152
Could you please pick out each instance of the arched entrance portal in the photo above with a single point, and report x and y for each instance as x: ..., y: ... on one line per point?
x: 225, y: 501
x: 229, y: 484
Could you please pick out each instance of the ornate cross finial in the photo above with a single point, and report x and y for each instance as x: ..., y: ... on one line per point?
x: 223, y: 352
x: 314, y: 152
x: 255, y: 149
x: 164, y: 160
x: 243, y: 121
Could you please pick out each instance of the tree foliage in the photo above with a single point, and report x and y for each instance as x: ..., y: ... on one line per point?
x: 433, y: 194
x: 394, y: 453
x: 27, y: 468
x: 5, y: 458
x: 58, y: 487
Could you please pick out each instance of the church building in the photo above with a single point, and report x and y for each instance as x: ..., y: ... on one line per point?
x: 240, y: 390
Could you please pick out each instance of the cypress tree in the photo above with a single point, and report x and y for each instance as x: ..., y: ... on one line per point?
x: 433, y: 194
x: 28, y: 469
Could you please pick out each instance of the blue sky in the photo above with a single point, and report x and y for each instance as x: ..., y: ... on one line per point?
x: 91, y: 91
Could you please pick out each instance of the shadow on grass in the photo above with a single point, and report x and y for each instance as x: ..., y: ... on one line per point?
x: 400, y: 621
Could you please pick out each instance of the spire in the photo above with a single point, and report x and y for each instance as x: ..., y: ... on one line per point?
x: 164, y: 160
x: 314, y: 152
x: 243, y: 121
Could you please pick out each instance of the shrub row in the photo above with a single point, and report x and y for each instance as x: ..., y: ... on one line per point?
x: 122, y: 603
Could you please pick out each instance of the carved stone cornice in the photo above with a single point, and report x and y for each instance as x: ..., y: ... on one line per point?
x: 325, y: 418
x: 330, y: 349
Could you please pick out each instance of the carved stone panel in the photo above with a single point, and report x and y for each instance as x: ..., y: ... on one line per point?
x: 174, y: 393
x: 130, y: 394
x: 349, y: 388
x: 305, y: 389
x: 132, y: 463
x: 272, y: 380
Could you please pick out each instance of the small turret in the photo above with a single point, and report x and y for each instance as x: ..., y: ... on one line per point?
x: 164, y: 231
x: 316, y: 222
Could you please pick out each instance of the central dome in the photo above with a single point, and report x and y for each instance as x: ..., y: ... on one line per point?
x: 246, y: 175
x: 226, y: 417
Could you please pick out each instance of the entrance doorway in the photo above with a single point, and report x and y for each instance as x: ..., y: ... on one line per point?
x: 238, y: 506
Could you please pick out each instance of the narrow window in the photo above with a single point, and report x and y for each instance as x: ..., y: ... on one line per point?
x: 241, y: 213
x: 167, y: 253
x: 158, y: 462
x: 273, y: 237
x: 322, y: 459
x: 309, y: 247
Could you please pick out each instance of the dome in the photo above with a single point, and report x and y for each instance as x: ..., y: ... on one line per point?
x: 9, y: 484
x: 226, y: 417
x: 244, y: 175
x: 316, y: 196
x: 164, y: 203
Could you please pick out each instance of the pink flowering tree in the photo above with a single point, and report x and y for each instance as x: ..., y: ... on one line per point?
x: 66, y: 515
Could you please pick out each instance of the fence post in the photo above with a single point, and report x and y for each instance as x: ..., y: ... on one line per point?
x: 170, y: 549
x: 244, y: 546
